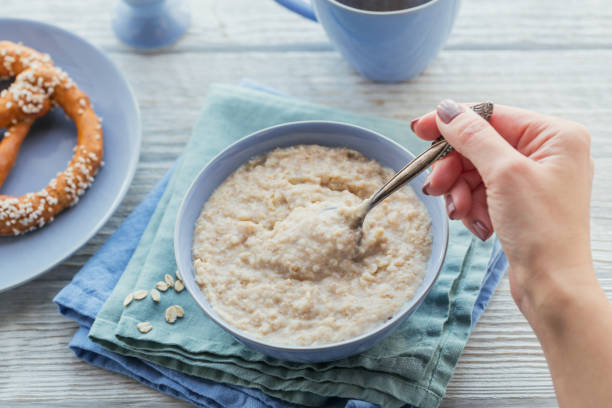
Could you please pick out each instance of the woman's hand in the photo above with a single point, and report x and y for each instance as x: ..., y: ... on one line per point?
x: 528, y: 177
x: 525, y: 176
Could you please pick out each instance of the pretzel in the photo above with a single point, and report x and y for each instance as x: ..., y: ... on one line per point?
x: 37, y: 86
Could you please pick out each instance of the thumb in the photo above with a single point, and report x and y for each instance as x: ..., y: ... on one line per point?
x: 474, y: 137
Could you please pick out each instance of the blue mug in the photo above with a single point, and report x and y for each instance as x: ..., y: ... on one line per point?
x: 384, y: 40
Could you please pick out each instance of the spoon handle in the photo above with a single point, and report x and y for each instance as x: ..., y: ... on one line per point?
x: 438, y: 149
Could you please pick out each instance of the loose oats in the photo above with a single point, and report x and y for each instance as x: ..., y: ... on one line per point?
x: 128, y: 299
x: 171, y: 314
x: 169, y: 280
x: 144, y: 327
x: 155, y: 295
x: 163, y: 286
x: 179, y: 311
x: 178, y: 286
x: 140, y: 294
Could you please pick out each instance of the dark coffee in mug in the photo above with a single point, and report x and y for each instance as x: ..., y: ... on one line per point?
x: 383, y: 5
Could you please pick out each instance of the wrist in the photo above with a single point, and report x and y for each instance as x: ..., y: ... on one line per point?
x: 548, y: 295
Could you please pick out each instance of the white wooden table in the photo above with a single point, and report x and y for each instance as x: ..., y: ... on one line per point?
x: 550, y: 56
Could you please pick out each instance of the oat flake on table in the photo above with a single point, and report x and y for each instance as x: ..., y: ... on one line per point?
x: 162, y: 286
x: 140, y: 294
x: 144, y: 327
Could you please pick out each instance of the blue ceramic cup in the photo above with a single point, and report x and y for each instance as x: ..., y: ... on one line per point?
x: 384, y: 40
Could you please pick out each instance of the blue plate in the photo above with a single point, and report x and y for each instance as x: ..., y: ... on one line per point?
x: 48, y: 148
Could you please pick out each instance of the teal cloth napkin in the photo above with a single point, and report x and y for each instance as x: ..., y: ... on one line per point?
x: 413, y: 365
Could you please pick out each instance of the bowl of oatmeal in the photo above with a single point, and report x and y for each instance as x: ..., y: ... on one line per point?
x: 265, y: 244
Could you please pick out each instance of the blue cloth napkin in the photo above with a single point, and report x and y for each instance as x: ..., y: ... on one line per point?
x: 84, y: 296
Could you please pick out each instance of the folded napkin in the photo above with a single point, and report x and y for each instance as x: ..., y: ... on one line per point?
x: 411, y: 366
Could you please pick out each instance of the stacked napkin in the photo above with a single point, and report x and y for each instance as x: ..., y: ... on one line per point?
x: 190, y: 358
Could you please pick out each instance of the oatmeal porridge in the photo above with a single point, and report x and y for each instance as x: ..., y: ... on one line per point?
x: 277, y: 261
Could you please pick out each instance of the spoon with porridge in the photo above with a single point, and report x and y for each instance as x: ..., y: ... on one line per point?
x: 313, y: 241
x: 354, y: 216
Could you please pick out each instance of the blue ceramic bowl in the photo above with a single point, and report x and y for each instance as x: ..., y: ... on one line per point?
x: 369, y: 143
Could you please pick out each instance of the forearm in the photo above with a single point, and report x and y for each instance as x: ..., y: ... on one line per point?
x: 573, y: 321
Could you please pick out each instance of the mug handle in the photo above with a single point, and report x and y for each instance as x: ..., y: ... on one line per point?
x: 301, y: 7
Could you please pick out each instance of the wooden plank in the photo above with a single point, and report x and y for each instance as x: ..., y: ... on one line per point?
x: 219, y: 26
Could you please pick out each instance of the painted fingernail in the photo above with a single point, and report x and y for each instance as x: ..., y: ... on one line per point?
x: 481, y: 231
x: 426, y: 185
x: 413, y: 124
x: 448, y: 109
x: 450, y: 207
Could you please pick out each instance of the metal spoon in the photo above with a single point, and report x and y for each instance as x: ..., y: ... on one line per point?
x: 438, y: 149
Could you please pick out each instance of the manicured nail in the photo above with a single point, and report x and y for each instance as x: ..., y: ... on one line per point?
x: 424, y: 189
x: 426, y: 185
x: 450, y: 207
x: 448, y: 109
x: 413, y: 123
x: 481, y: 231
